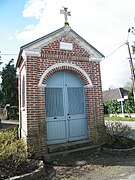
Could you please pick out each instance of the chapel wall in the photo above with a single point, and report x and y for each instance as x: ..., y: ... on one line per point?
x: 36, y: 66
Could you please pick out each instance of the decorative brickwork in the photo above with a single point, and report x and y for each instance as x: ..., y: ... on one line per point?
x: 39, y: 68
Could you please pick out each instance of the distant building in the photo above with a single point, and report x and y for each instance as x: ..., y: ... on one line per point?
x: 120, y: 95
x: 115, y: 94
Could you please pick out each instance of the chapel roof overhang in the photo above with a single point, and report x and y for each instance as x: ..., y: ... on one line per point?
x: 40, y: 42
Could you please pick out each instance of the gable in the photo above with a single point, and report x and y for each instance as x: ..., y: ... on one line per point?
x: 66, y: 45
x: 64, y: 39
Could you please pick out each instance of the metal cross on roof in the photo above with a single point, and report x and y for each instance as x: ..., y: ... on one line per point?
x: 66, y: 13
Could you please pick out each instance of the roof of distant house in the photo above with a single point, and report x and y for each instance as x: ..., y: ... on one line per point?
x: 114, y: 94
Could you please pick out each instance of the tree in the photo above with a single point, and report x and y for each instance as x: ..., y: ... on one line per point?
x: 9, y: 85
x: 1, y: 98
x: 133, y: 48
x: 132, y: 31
x: 129, y: 103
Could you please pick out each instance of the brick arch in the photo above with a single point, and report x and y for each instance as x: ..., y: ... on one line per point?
x: 65, y: 66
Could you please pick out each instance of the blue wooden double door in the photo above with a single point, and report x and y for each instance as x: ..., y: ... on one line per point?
x: 65, y: 108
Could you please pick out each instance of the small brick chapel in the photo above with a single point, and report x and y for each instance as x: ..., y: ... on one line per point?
x: 60, y: 92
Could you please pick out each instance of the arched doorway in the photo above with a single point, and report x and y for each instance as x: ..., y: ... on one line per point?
x: 65, y: 108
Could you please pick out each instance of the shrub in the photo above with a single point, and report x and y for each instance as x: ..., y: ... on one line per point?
x: 116, y: 131
x: 11, y: 148
x: 112, y: 107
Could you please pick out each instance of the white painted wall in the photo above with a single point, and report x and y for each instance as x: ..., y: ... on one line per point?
x: 23, y: 109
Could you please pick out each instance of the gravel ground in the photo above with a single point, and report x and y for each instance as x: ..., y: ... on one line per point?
x: 95, y: 167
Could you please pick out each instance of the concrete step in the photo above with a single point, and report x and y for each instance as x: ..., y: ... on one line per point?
x: 68, y: 146
x: 72, y: 152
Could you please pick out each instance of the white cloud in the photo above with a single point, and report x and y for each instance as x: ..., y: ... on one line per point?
x: 48, y: 21
x: 34, y: 8
x: 29, y: 27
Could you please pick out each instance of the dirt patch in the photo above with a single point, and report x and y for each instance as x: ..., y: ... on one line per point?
x: 120, y: 143
x: 7, y: 169
x: 97, y: 166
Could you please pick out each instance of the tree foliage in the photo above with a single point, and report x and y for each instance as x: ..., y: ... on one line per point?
x: 129, y: 106
x: 9, y: 92
x: 133, y: 48
x: 112, y: 107
x: 9, y: 84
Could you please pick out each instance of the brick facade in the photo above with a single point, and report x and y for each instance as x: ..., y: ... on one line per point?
x: 40, y: 67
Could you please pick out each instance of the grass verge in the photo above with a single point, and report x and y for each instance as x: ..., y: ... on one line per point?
x: 115, y: 118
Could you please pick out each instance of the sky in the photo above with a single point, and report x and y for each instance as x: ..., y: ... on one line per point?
x: 102, y: 23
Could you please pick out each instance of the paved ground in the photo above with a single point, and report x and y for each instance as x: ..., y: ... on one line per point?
x: 96, y: 167
x: 10, y: 122
x: 132, y: 125
x: 100, y: 167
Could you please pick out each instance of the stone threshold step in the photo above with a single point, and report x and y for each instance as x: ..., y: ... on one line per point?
x: 89, y: 149
x: 68, y: 146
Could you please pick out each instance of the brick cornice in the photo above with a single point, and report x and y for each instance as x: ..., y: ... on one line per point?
x: 61, y: 56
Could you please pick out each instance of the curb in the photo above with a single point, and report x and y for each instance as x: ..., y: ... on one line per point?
x: 40, y: 172
x: 124, y: 152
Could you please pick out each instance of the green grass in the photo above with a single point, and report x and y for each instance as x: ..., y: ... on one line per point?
x: 119, y: 118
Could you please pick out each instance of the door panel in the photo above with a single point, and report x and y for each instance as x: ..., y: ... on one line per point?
x: 55, y: 119
x: 77, y: 129
x: 72, y: 80
x: 54, y: 102
x: 56, y: 132
x: 75, y: 100
x: 55, y: 80
x: 76, y: 113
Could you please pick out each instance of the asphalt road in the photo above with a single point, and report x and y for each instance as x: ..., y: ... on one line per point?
x: 129, y: 123
x: 8, y: 123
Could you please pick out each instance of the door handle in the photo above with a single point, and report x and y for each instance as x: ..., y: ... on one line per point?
x: 69, y: 117
x: 55, y: 118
